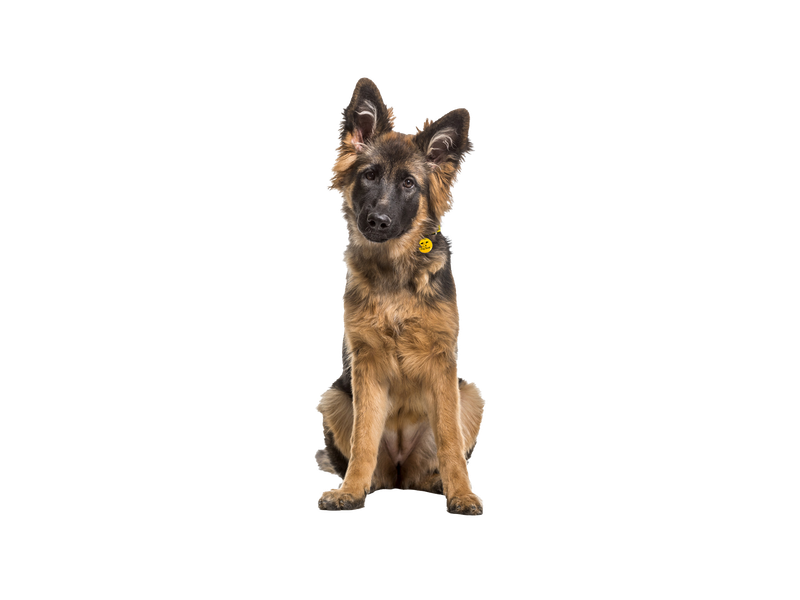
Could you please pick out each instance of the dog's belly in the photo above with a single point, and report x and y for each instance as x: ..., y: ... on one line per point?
x: 400, y: 443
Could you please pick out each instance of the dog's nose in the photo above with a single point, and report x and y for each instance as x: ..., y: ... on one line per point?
x: 378, y: 221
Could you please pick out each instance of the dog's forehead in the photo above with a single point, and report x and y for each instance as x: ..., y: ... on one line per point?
x: 396, y: 150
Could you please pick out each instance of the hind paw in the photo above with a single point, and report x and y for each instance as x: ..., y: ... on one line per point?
x: 466, y: 504
x: 339, y: 500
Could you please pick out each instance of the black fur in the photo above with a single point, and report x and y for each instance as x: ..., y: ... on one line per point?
x: 442, y: 281
x: 338, y: 460
x: 391, y: 192
x: 345, y: 382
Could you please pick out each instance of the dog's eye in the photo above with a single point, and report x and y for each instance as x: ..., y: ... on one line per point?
x: 408, y: 183
x: 370, y: 175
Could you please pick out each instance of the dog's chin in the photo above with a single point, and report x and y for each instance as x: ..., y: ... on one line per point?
x: 376, y: 237
x: 379, y: 237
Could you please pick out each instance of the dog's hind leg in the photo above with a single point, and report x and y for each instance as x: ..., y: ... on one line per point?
x: 330, y: 459
x: 471, y: 414
x: 336, y: 406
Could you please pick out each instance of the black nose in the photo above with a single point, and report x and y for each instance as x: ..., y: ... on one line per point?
x: 378, y: 221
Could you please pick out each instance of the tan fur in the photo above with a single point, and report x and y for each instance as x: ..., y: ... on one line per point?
x: 410, y: 422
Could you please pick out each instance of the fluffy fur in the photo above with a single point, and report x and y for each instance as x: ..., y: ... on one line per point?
x: 399, y: 416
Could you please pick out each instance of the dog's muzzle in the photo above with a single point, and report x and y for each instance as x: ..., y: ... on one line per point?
x: 378, y: 227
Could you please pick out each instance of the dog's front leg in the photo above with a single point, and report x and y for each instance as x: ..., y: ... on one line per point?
x: 370, y: 407
x: 446, y: 423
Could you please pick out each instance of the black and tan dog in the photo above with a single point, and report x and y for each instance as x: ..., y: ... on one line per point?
x: 399, y: 416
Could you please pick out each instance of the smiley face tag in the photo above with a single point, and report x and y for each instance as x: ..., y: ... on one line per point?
x: 425, y: 245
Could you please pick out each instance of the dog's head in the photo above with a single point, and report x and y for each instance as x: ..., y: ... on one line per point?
x: 396, y: 185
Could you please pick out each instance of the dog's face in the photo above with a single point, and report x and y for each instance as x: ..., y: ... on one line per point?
x: 389, y: 181
x: 394, y: 183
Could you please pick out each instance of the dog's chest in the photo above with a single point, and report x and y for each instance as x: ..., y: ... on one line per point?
x: 395, y: 318
x: 391, y: 317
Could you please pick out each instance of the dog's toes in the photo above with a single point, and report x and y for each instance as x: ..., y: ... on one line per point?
x: 338, y: 500
x: 468, y: 504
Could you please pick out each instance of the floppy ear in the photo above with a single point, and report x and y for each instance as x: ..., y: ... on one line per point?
x: 366, y: 116
x: 446, y: 140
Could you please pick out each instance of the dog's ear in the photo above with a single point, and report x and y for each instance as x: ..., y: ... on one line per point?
x: 366, y: 116
x: 446, y: 140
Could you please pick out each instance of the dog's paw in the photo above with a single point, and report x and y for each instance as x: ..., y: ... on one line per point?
x: 466, y: 504
x: 339, y: 500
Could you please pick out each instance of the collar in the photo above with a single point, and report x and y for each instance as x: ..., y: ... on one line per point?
x: 426, y: 244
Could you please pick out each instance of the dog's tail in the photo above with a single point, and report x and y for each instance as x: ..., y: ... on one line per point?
x: 324, y: 462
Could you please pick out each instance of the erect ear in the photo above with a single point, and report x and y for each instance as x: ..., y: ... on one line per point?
x: 446, y: 140
x: 366, y: 116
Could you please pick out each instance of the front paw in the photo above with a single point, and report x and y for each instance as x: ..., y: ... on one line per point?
x: 466, y: 504
x: 340, y: 500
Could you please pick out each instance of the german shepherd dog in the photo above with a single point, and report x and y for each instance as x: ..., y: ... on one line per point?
x: 399, y: 416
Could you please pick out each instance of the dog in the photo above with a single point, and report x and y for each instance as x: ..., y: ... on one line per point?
x: 399, y: 416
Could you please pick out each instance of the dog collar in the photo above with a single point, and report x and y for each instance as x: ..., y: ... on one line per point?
x: 426, y: 244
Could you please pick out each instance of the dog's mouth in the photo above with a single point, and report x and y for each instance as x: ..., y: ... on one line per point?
x: 380, y: 237
x: 375, y: 236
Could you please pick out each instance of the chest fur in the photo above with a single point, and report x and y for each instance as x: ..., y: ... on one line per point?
x: 401, y: 331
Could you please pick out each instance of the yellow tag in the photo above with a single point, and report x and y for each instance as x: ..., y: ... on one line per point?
x: 425, y: 245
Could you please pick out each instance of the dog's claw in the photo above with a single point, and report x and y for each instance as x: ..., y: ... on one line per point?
x: 338, y: 500
x: 468, y: 504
